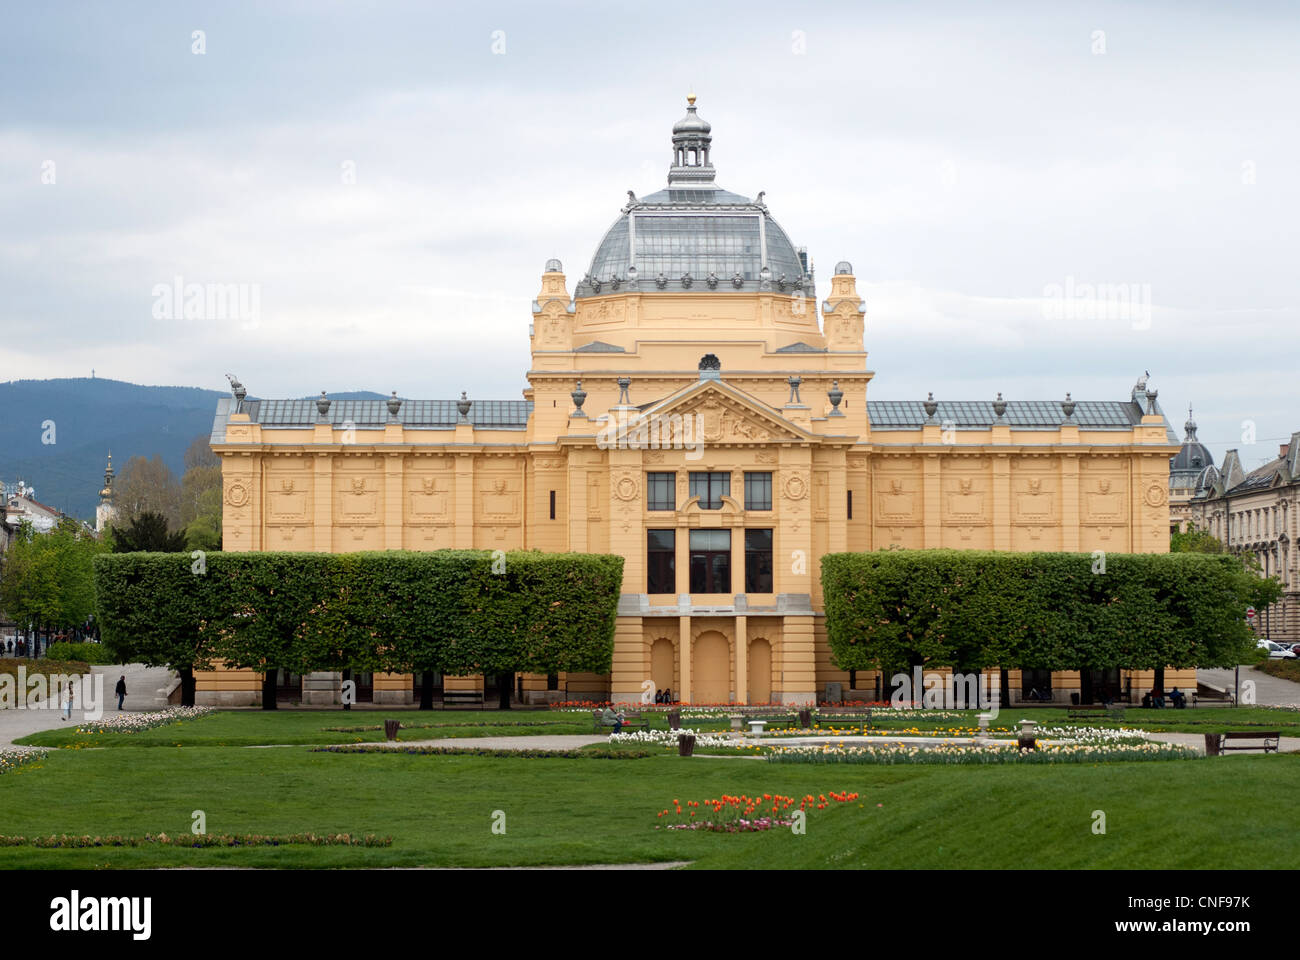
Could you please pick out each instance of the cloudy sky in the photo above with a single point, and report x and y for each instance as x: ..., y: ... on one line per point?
x: 390, y: 178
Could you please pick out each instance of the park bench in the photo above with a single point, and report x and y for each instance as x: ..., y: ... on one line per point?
x: 1089, y: 711
x: 462, y: 696
x: 631, y: 718
x: 1212, y: 696
x: 773, y: 719
x: 842, y: 718
x: 1216, y: 743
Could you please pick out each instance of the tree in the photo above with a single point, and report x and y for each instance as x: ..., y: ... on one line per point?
x: 199, y: 454
x: 161, y: 609
x: 47, y: 578
x: 147, y: 486
x: 147, y: 532
x: 973, y: 610
x: 1194, y: 541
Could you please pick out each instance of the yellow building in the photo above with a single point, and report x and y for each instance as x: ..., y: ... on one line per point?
x: 692, y: 407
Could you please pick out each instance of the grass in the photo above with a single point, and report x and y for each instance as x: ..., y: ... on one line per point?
x: 439, y: 810
x: 246, y: 728
x: 1285, y: 669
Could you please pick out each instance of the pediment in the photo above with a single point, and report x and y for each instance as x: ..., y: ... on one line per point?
x: 718, y: 413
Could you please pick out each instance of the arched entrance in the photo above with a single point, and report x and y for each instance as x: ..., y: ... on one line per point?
x: 661, y: 664
x: 760, y: 671
x: 711, y: 669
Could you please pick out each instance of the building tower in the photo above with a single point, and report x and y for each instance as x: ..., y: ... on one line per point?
x: 105, y: 512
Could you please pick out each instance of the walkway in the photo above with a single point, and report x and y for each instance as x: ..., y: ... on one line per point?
x: 1269, y: 691
x: 144, y: 693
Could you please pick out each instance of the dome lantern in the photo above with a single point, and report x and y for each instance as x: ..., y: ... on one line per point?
x: 691, y: 145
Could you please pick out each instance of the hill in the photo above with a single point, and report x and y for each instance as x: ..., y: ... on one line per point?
x: 92, y: 416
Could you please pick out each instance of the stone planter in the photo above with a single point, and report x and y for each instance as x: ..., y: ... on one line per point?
x: 390, y: 729
x: 674, y: 719
x: 1025, y: 739
x: 685, y: 744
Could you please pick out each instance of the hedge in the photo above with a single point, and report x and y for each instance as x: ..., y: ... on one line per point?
x: 972, y: 610
x: 95, y: 653
x: 455, y: 612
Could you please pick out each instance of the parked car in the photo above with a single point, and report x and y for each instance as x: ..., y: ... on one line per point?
x: 1276, y: 651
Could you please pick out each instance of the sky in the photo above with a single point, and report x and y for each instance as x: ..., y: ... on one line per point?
x: 383, y: 183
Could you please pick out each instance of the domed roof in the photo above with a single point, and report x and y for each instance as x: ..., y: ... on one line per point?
x: 695, y: 234
x: 1193, y: 457
x: 691, y: 123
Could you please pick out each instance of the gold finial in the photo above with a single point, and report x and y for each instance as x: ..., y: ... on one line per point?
x: 690, y: 99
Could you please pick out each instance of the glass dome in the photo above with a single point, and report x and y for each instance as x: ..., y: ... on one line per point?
x: 694, y: 233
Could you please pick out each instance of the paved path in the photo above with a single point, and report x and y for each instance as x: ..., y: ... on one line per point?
x: 1269, y: 691
x: 552, y: 742
x: 1197, y: 740
x: 143, y: 686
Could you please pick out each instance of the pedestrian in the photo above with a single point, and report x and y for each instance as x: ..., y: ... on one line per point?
x: 67, y: 702
x: 120, y: 690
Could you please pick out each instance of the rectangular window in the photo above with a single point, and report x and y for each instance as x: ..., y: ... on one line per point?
x: 661, y: 491
x: 758, y: 561
x: 710, y: 561
x: 1036, y: 684
x: 758, y: 491
x: 710, y: 488
x: 552, y: 504
x: 661, y: 561
x: 850, y: 493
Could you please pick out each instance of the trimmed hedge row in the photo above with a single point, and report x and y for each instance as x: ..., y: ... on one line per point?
x: 976, y: 609
x: 455, y: 612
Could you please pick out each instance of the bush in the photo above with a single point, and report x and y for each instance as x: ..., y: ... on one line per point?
x: 976, y: 609
x: 87, y: 652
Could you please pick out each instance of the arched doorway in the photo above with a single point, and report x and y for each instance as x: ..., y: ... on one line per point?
x: 711, y: 669
x: 760, y: 671
x: 661, y: 664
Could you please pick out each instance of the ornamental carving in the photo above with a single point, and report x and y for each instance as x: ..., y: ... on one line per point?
x: 625, y: 488
x: 796, y: 487
x: 1155, y: 495
x: 237, y: 494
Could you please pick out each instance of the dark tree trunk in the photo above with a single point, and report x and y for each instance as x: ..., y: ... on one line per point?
x: 188, y: 686
x: 504, y: 682
x: 426, y: 691
x: 270, y: 687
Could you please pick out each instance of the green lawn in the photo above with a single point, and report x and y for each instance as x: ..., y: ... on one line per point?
x: 438, y: 809
x: 242, y: 728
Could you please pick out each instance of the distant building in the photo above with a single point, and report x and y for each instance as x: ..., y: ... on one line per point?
x: 20, y: 504
x: 1257, y: 513
x: 1189, y: 473
x: 105, y: 513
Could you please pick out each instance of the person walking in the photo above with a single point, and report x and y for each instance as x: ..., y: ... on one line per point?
x: 67, y: 702
x: 120, y: 690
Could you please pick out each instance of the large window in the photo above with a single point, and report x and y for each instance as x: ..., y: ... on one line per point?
x: 758, y: 491
x: 758, y: 561
x: 661, y: 561
x: 661, y: 491
x: 710, y: 561
x: 710, y: 488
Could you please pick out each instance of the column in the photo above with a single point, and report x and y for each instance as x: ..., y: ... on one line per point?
x: 323, y: 515
x: 742, y: 660
x: 684, y: 653
x: 393, y: 469
x: 931, y: 487
x: 1001, y: 502
x: 630, y: 666
x: 1070, y: 503
x: 798, y: 662
x: 463, y: 534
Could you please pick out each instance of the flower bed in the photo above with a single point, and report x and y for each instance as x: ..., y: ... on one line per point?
x: 12, y: 759
x: 952, y: 753
x: 64, y: 841
x: 137, y: 722
x: 487, y: 752
x: 463, y: 723
x: 668, y: 738
x: 746, y: 814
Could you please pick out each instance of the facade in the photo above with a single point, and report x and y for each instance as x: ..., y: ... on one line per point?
x: 1258, y: 513
x: 692, y: 407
